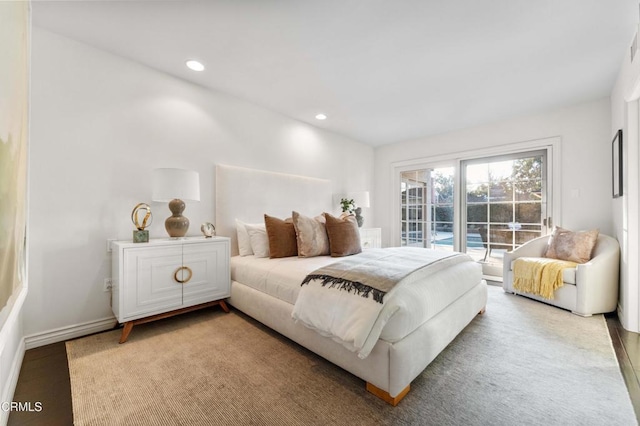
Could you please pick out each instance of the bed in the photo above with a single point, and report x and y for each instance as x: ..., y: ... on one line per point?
x: 267, y: 289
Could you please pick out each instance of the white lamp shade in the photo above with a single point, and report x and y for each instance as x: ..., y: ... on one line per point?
x: 360, y: 198
x: 169, y: 184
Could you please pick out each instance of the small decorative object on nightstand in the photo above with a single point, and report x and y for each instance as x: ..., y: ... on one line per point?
x: 371, y: 237
x: 362, y: 201
x: 140, y: 234
x: 208, y: 230
x: 359, y: 218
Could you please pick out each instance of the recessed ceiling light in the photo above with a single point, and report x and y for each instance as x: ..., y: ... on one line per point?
x: 195, y: 65
x: 321, y: 117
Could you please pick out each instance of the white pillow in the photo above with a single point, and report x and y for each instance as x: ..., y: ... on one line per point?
x: 259, y: 240
x: 244, y: 242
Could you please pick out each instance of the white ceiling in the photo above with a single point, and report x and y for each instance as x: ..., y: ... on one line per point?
x: 382, y: 70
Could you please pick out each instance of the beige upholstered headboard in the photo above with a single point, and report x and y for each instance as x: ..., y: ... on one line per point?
x: 247, y: 194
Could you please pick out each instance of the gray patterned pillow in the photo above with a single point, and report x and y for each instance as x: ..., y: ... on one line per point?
x: 572, y: 246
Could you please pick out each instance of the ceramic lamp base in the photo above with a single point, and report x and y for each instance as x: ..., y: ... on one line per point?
x: 176, y: 224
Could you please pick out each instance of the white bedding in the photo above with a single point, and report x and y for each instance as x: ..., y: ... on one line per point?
x: 279, y: 278
x: 357, y: 322
x: 403, y: 311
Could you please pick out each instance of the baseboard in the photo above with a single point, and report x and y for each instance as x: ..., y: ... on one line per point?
x: 69, y: 332
x: 620, y: 312
x: 624, y: 321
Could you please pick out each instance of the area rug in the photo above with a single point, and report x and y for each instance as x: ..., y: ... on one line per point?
x: 522, y: 362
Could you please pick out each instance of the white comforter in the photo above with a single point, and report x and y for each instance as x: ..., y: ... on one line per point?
x: 357, y: 322
x: 409, y: 309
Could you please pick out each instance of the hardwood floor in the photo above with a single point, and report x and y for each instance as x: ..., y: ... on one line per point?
x: 44, y: 378
x: 627, y: 347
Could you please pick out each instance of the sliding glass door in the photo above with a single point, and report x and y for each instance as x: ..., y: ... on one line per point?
x: 483, y: 206
x: 505, y: 205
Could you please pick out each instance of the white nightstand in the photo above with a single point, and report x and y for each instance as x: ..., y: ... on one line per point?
x: 166, y: 277
x: 371, y: 237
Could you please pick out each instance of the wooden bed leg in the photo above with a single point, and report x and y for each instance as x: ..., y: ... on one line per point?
x: 384, y: 395
x: 482, y: 311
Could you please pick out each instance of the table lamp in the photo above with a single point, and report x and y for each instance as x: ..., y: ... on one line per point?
x: 361, y: 199
x: 175, y: 186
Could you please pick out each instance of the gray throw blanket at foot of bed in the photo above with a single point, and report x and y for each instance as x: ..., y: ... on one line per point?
x: 375, y: 272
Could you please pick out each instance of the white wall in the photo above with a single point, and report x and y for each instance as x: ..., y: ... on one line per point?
x: 100, y: 124
x: 585, y: 159
x: 624, y: 115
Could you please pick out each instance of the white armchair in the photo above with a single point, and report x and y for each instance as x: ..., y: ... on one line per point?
x: 590, y: 288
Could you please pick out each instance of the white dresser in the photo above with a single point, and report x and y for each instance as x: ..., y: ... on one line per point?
x: 371, y: 237
x: 166, y: 277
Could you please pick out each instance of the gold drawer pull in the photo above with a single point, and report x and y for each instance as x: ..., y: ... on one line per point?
x: 175, y: 276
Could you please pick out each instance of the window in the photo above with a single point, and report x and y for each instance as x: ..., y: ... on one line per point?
x: 427, y: 208
x: 413, y: 205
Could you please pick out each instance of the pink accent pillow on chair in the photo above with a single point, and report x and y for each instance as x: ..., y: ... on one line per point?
x: 572, y: 246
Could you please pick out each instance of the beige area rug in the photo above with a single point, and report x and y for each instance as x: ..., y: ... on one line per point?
x: 522, y: 362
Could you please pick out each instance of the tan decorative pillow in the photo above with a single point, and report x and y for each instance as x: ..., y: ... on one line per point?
x: 282, y: 237
x: 311, y: 235
x: 344, y: 235
x: 571, y: 246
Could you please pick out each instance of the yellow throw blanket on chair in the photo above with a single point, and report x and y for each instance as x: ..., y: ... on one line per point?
x: 539, y: 276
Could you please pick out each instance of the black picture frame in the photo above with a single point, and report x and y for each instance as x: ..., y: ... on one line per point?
x: 616, y: 164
